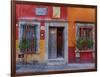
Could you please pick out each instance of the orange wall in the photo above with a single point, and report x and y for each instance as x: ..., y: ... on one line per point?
x: 78, y: 14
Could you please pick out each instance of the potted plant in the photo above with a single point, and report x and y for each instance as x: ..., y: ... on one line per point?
x: 84, y: 44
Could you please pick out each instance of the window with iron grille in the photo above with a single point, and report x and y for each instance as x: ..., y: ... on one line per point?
x: 29, y: 38
x: 85, y: 36
x: 85, y: 32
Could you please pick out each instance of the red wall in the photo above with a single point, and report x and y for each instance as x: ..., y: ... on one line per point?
x: 86, y: 57
x: 29, y: 11
x: 71, y: 55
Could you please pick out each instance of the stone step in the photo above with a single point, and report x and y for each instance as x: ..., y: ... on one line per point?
x: 56, y: 62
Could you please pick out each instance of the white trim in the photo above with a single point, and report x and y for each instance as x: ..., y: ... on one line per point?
x: 56, y: 24
x: 41, y: 19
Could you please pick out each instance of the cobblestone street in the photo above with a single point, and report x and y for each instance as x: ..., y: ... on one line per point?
x: 44, y: 67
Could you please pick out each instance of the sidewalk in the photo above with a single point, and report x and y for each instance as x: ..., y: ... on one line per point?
x: 44, y: 67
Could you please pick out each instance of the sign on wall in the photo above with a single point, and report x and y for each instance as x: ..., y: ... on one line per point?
x: 41, y: 11
x: 42, y: 33
x: 56, y: 12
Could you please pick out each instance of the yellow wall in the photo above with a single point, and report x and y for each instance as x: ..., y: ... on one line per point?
x: 39, y: 56
x: 78, y: 14
x: 42, y: 50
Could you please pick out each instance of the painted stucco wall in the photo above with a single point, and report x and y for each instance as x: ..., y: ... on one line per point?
x: 28, y: 11
x: 82, y: 15
x: 70, y: 14
x: 78, y: 14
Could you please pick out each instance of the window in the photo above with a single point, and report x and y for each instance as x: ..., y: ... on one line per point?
x: 85, y: 32
x: 29, y: 38
x: 85, y: 36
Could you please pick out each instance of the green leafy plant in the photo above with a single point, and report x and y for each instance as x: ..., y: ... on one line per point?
x: 23, y: 44
x: 90, y: 43
x: 84, y: 44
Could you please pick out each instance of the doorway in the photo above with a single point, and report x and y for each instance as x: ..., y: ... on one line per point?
x: 56, y: 42
x: 60, y: 42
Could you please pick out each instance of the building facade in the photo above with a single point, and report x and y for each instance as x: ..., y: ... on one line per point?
x: 49, y: 34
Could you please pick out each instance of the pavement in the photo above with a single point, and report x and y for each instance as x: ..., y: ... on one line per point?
x: 44, y: 67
